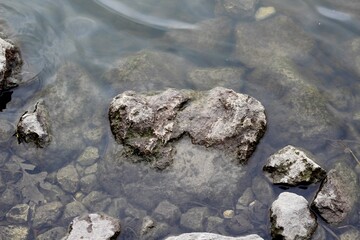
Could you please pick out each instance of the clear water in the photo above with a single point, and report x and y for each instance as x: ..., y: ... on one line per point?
x: 97, y: 33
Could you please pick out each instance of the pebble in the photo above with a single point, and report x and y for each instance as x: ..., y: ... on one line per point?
x: 264, y: 12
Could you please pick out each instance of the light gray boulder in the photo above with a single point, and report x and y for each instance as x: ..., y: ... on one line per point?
x: 292, y: 166
x: 291, y: 217
x: 94, y: 226
x: 219, y: 118
x: 212, y: 236
x: 337, y: 195
x: 34, y: 126
x: 10, y: 64
x: 237, y: 9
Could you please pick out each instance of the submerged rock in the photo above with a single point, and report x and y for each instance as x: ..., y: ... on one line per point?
x: 292, y: 166
x: 47, y: 214
x: 212, y: 236
x: 236, y: 8
x: 337, y: 195
x: 34, y: 126
x: 291, y: 218
x: 14, y: 232
x: 219, y: 118
x: 194, y: 218
x: 10, y: 64
x: 94, y: 226
x: 18, y: 214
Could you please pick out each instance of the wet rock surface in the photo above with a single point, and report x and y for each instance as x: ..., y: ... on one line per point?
x: 94, y: 226
x: 34, y: 126
x: 47, y: 214
x: 68, y: 178
x: 213, y: 236
x: 292, y: 166
x: 18, y: 214
x: 236, y: 9
x: 148, y: 123
x: 14, y: 232
x: 10, y: 64
x: 291, y: 217
x: 337, y: 194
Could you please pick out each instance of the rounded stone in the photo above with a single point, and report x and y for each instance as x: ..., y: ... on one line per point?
x: 228, y: 213
x: 264, y: 12
x: 68, y: 178
x: 18, y: 214
x: 47, y: 214
x: 88, y: 157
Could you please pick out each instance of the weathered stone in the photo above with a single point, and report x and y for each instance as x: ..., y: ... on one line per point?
x: 213, y: 223
x: 96, y: 201
x: 207, y: 78
x: 6, y: 130
x: 147, y: 123
x: 54, y: 233
x: 262, y: 190
x: 194, y: 218
x: 47, y: 214
x: 246, y: 198
x: 153, y: 230
x: 228, y: 213
x: 166, y: 212
x: 260, y: 43
x: 9, y: 198
x: 72, y: 210
x: 212, y: 236
x: 18, y: 214
x: 68, y: 178
x: 240, y: 224
x: 264, y: 12
x: 292, y: 166
x: 89, y: 183
x: 291, y: 217
x: 117, y: 207
x: 91, y: 169
x: 34, y: 126
x: 352, y: 234
x: 236, y: 8
x: 10, y: 64
x: 89, y: 156
x: 148, y: 70
x: 14, y: 232
x: 94, y: 226
x: 337, y: 194
x: 210, y: 36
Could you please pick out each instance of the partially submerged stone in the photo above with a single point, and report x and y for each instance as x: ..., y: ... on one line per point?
x: 236, y: 8
x: 291, y: 218
x: 212, y: 236
x: 292, y: 166
x: 34, y: 126
x: 219, y: 118
x: 10, y: 64
x: 337, y: 195
x: 94, y: 226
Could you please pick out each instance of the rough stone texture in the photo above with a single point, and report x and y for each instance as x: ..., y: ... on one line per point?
x: 89, y: 156
x: 6, y: 130
x: 194, y: 218
x: 240, y: 224
x: 54, y: 233
x: 148, y: 70
x: 291, y: 218
x: 236, y: 8
x: 89, y: 183
x: 94, y: 226
x: 219, y: 118
x: 166, y: 212
x: 352, y: 234
x: 47, y: 214
x: 246, y: 198
x: 259, y: 43
x: 96, y: 201
x: 34, y: 126
x: 337, y: 195
x: 292, y: 166
x: 68, y: 178
x: 72, y: 210
x: 208, y: 37
x: 153, y: 230
x: 10, y: 64
x: 14, y: 232
x: 207, y: 78
x: 18, y: 214
x: 212, y: 236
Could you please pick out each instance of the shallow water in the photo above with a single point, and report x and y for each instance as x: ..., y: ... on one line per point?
x: 95, y: 34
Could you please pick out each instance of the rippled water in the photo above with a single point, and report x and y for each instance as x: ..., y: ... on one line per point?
x: 95, y: 34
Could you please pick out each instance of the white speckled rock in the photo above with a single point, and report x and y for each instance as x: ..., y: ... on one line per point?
x: 211, y: 236
x: 94, y: 227
x: 292, y: 166
x: 291, y: 218
x: 9, y: 63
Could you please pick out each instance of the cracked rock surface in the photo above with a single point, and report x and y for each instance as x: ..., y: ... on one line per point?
x: 10, y: 64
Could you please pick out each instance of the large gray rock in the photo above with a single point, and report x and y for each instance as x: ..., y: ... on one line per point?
x: 337, y: 195
x: 212, y: 236
x: 34, y: 126
x: 291, y: 218
x: 219, y: 118
x: 292, y: 166
x: 260, y: 43
x: 148, y: 70
x: 94, y: 226
x: 10, y: 64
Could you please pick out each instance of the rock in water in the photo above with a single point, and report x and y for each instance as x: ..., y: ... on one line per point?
x: 34, y: 126
x: 292, y: 166
x: 94, y: 227
x: 212, y: 236
x: 219, y: 118
x: 337, y: 194
x: 10, y: 64
x: 291, y: 218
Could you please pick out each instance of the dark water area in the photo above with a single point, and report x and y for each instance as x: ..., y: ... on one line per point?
x: 310, y: 92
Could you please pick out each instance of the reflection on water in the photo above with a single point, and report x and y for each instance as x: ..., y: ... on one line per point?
x: 72, y: 51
